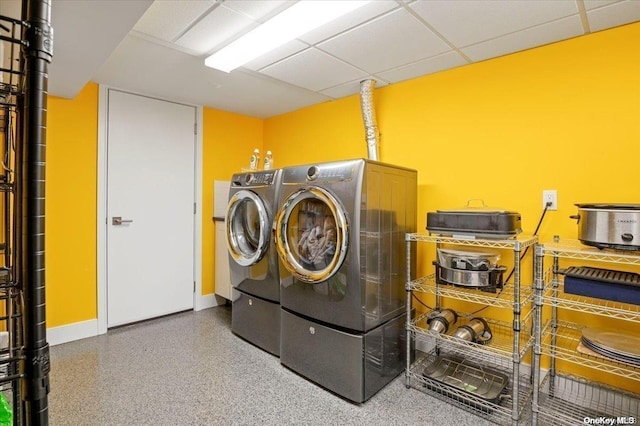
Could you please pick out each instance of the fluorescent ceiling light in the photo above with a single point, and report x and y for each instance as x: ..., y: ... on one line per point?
x: 302, y: 17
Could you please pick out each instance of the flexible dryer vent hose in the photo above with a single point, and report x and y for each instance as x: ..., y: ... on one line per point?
x: 369, y: 117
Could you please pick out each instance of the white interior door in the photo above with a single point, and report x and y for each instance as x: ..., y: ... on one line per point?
x: 150, y: 186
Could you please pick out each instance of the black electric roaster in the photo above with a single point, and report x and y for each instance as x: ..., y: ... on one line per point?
x: 481, y: 222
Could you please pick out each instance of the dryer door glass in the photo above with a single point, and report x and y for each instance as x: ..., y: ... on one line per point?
x: 247, y: 228
x: 312, y: 234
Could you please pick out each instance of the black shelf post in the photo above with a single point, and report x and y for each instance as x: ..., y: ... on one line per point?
x: 31, y: 159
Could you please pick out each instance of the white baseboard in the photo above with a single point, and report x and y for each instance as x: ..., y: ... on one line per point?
x: 84, y: 329
x: 208, y: 301
x: 71, y: 332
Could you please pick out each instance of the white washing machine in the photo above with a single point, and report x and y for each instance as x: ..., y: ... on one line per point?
x: 340, y: 233
x: 253, y: 261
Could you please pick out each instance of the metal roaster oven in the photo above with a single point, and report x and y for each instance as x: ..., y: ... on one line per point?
x: 340, y: 234
x: 475, y: 220
x: 613, y: 226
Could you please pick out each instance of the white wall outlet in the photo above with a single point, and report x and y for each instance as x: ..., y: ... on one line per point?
x: 550, y: 196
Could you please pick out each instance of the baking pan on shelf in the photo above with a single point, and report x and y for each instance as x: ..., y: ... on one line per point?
x: 465, y: 382
x: 475, y: 221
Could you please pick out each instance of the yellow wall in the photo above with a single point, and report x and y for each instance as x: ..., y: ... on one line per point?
x: 72, y: 130
x: 563, y: 116
x: 228, y: 141
x: 323, y: 132
x: 70, y: 245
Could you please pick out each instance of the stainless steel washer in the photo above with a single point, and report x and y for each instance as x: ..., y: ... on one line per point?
x: 340, y: 234
x: 253, y: 260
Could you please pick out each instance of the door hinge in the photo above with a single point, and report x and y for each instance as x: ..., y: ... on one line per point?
x: 194, y: 208
x: 195, y: 128
x: 194, y: 286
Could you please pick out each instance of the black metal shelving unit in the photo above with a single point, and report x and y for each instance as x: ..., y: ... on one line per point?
x: 24, y: 353
x: 11, y: 301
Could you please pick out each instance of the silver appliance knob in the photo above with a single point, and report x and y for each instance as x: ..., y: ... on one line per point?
x: 627, y: 238
x: 313, y: 172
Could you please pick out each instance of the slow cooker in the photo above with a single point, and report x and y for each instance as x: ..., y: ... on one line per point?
x: 615, y: 226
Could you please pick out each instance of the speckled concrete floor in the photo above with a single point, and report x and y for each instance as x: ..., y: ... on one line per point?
x: 189, y: 369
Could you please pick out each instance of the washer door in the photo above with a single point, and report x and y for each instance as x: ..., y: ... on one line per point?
x: 247, y: 228
x: 312, y: 234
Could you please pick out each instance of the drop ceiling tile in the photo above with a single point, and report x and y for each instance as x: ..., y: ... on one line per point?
x: 313, y: 70
x: 158, y: 68
x: 219, y: 26
x: 526, y: 39
x: 258, y: 10
x: 426, y: 66
x: 348, y: 21
x: 467, y: 22
x: 593, y: 4
x: 169, y: 18
x: 394, y: 39
x: 613, y: 15
x: 277, y: 54
x: 86, y: 34
x: 350, y: 88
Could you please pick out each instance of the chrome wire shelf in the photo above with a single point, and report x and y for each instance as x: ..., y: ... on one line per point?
x: 590, y: 305
x: 574, y: 249
x: 499, y: 411
x: 567, y: 400
x: 503, y: 298
x: 567, y: 337
x: 517, y: 243
x: 501, y: 344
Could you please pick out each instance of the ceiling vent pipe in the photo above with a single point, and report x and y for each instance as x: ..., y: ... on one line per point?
x: 369, y: 116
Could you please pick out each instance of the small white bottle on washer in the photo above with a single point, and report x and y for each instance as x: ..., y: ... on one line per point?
x: 255, y: 160
x: 268, y: 161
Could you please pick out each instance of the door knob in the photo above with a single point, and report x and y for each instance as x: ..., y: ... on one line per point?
x: 118, y: 220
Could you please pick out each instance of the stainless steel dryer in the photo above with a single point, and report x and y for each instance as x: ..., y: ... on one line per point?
x: 253, y: 261
x: 340, y: 234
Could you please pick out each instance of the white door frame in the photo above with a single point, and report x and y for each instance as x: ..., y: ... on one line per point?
x: 199, y: 302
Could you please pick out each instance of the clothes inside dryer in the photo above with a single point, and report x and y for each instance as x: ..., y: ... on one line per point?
x: 312, y: 235
x: 340, y: 235
x: 316, y: 234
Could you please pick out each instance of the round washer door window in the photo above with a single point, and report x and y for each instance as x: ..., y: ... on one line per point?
x: 247, y: 228
x: 312, y: 234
